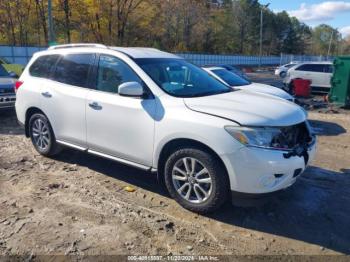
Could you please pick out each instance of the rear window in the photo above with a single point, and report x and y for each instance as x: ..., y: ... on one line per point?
x: 42, y: 67
x: 231, y: 78
x: 73, y: 69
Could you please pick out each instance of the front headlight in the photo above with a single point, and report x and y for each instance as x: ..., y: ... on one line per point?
x: 257, y: 137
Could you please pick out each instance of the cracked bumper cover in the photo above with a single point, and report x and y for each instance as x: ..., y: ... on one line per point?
x: 259, y: 171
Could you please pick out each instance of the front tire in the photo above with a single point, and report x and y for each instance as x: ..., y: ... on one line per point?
x: 283, y: 74
x: 42, y: 135
x: 196, y: 179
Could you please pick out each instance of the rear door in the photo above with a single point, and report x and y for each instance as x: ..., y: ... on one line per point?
x: 63, y: 97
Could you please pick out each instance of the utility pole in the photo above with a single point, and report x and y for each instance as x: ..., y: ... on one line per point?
x: 302, y: 39
x: 341, y: 47
x: 330, y: 44
x: 51, y: 31
x: 261, y: 36
x: 261, y: 31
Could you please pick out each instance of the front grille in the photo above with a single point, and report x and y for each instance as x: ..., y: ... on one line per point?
x: 292, y: 137
x: 7, y: 99
x: 7, y: 90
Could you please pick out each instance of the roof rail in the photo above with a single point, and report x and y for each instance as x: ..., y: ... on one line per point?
x: 76, y: 45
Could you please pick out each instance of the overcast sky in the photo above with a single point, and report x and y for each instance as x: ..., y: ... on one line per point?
x: 315, y: 12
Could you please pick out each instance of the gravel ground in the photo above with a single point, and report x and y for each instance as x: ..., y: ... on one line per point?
x: 77, y: 204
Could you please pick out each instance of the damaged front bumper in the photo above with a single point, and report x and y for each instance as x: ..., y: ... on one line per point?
x: 259, y: 171
x: 7, y: 101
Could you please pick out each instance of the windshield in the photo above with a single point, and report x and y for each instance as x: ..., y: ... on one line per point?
x: 4, y: 60
x: 231, y: 78
x: 3, y: 72
x: 289, y: 65
x: 180, y: 78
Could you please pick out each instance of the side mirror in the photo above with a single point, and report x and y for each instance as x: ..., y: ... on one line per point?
x: 13, y: 74
x: 133, y: 89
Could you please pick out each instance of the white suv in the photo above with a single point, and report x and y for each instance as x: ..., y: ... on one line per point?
x: 320, y: 74
x: 155, y: 111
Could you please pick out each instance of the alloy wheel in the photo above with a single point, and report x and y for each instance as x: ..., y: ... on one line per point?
x: 192, y: 180
x: 41, y: 134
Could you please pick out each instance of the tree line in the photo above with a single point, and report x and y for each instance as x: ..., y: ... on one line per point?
x: 206, y: 26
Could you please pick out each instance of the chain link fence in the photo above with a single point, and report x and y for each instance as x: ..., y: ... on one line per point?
x: 19, y: 54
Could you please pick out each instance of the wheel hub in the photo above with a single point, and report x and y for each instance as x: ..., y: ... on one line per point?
x: 191, y: 180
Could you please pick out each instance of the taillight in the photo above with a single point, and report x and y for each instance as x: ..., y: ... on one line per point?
x: 18, y: 85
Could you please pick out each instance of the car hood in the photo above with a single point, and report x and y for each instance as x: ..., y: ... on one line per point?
x: 6, y: 82
x: 266, y: 89
x: 249, y: 108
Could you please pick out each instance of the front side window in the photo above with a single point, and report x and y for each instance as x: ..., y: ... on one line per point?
x: 73, y: 69
x: 43, y: 66
x: 180, y: 78
x: 230, y: 78
x: 113, y: 72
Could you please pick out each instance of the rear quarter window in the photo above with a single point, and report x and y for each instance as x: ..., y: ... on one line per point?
x: 43, y: 66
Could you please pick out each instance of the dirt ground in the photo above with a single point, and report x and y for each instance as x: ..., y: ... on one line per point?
x: 77, y: 204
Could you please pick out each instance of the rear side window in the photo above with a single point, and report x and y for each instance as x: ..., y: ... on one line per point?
x: 42, y: 67
x: 311, y: 68
x: 73, y: 69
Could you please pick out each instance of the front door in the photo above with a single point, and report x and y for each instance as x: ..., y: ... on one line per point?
x: 119, y: 126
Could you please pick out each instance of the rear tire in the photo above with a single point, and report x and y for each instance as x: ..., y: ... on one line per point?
x: 42, y: 135
x: 196, y: 179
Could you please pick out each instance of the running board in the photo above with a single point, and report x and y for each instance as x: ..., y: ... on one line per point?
x: 117, y: 159
x: 127, y: 162
x: 71, y: 145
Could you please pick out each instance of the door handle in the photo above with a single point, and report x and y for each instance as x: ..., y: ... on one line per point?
x: 95, y: 105
x: 46, y: 94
